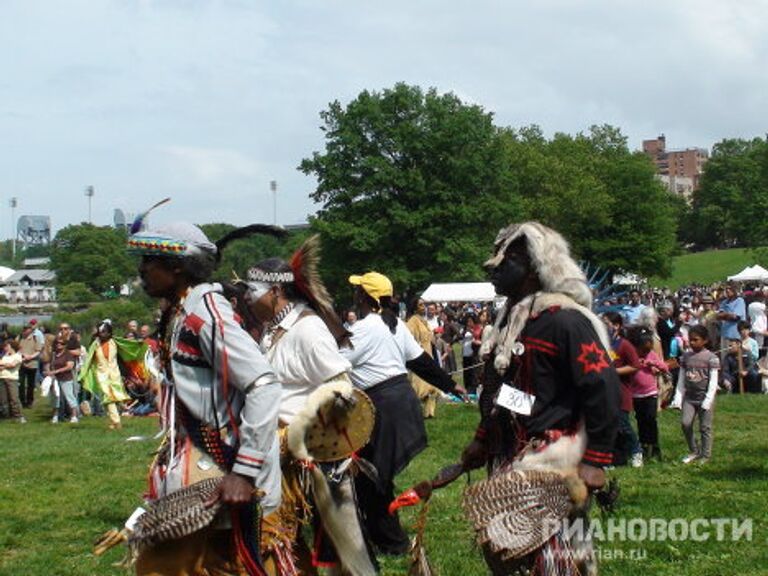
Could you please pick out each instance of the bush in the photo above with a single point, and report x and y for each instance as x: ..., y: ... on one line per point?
x: 75, y: 292
x: 119, y: 311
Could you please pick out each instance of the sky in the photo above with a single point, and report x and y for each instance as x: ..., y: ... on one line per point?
x: 207, y: 101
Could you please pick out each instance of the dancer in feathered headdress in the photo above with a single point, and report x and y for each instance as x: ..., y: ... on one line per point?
x: 220, y: 403
x: 300, y: 335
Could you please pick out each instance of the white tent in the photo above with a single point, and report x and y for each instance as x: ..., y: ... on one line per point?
x: 757, y: 269
x: 460, y: 292
x: 750, y: 273
x: 6, y: 273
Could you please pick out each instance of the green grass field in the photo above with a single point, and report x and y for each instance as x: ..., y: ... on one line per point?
x: 706, y: 267
x: 63, y: 485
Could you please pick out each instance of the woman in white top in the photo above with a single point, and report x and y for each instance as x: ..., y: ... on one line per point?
x: 382, y: 351
x: 9, y: 379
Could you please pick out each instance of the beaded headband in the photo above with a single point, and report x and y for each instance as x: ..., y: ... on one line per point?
x: 259, y: 275
x: 155, y: 245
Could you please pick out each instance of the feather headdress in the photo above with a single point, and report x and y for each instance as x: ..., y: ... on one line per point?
x: 304, y: 265
x: 138, y: 222
x: 301, y: 272
x: 179, y: 239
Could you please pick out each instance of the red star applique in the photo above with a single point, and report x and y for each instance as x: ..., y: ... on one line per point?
x: 592, y: 357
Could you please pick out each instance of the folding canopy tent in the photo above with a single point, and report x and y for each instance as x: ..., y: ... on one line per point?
x: 750, y: 273
x: 460, y: 292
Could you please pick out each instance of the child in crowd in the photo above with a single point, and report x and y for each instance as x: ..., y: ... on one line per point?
x: 695, y: 394
x: 625, y: 359
x: 645, y: 391
x: 748, y: 343
x: 750, y: 348
x: 740, y: 369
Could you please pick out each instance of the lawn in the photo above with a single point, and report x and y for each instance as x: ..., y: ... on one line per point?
x: 62, y: 485
x: 706, y: 267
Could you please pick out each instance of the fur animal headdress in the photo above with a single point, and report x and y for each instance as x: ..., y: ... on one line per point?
x: 563, y: 284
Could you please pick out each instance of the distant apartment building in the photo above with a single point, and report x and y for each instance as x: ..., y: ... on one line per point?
x: 680, y: 170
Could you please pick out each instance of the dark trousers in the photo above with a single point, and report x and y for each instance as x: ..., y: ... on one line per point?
x: 27, y: 378
x: 382, y: 528
x: 9, y: 394
x: 470, y: 383
x: 645, y: 414
x: 626, y: 440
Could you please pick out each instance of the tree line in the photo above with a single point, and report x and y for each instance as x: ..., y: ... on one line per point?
x: 730, y: 207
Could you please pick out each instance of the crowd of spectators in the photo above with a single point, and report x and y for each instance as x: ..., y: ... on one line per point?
x: 659, y: 336
x: 37, y: 361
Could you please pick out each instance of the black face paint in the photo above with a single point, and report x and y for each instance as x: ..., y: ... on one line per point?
x: 509, y: 276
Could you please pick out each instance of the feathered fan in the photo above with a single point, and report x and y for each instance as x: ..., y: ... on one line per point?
x: 516, y: 512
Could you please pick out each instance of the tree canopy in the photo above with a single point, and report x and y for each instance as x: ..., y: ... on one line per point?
x: 730, y: 206
x: 93, y: 255
x: 416, y: 185
x: 411, y: 183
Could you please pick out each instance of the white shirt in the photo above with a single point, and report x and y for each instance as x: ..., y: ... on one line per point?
x: 377, y: 354
x: 757, y: 317
x: 209, y: 351
x: 303, y: 357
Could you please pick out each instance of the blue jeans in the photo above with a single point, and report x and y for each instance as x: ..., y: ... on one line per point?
x: 69, y: 395
x: 631, y: 443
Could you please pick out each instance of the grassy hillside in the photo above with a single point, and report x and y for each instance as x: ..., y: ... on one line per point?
x: 706, y: 267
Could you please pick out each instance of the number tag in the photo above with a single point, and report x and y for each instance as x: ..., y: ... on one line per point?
x: 515, y: 400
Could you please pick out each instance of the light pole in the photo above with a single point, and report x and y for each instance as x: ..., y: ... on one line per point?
x: 13, y: 203
x: 89, y: 191
x: 273, y: 188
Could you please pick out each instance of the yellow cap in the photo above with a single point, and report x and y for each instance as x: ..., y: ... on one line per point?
x: 375, y: 285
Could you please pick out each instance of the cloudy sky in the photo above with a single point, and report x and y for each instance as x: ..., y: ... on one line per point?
x: 207, y: 101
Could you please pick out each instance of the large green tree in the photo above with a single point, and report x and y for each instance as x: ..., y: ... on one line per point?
x: 93, y: 255
x: 414, y: 184
x: 602, y: 197
x: 730, y: 206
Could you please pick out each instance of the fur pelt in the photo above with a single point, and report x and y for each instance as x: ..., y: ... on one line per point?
x: 335, y: 502
x: 551, y: 257
x: 563, y: 284
x: 338, y: 512
x: 561, y: 456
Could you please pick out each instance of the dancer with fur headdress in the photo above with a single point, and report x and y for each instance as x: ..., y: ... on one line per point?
x: 300, y: 336
x: 549, y: 407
